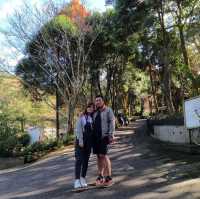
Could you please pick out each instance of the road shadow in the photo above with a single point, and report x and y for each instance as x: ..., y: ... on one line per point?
x: 141, y: 170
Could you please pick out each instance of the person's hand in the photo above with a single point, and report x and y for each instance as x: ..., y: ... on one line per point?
x: 81, y: 145
x: 111, y: 139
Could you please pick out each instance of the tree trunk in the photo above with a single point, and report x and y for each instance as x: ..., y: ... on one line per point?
x: 95, y: 81
x: 97, y: 84
x: 153, y: 88
x: 57, y: 114
x: 183, y: 46
x: 113, y: 95
x: 167, y: 91
x: 166, y: 83
x: 91, y: 92
x: 182, y: 38
x: 108, y: 86
x: 141, y: 106
x: 125, y: 103
x: 70, y: 116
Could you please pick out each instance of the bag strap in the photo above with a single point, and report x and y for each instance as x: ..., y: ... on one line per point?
x: 86, y: 118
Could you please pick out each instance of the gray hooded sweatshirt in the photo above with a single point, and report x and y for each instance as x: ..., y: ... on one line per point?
x: 80, y: 124
x: 107, y: 121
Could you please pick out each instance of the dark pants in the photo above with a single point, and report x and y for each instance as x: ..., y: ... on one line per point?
x: 82, y: 156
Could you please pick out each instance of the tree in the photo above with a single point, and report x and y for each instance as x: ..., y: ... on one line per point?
x: 155, y: 44
x: 60, y: 49
x: 107, y: 58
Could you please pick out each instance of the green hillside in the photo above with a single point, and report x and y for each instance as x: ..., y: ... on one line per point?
x: 16, y: 102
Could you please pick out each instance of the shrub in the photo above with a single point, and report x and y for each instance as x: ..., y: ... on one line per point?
x: 52, y: 144
x: 24, y: 139
x: 28, y: 150
x: 34, y: 151
x: 68, y: 139
x: 28, y: 158
x: 7, y: 146
x: 7, y: 128
x: 9, y: 141
x: 37, y: 147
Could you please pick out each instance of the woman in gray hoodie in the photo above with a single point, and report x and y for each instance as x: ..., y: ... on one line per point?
x: 83, y: 145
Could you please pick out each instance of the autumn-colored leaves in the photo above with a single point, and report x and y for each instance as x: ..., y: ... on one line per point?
x: 77, y: 13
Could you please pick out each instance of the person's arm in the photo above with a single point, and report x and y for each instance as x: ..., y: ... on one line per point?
x: 79, y: 131
x: 111, y: 122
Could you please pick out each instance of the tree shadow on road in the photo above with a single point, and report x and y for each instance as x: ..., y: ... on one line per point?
x: 141, y: 170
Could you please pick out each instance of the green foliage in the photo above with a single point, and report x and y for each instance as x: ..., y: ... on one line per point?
x: 138, y: 52
x: 65, y: 23
x: 16, y: 110
x: 12, y: 139
x: 163, y: 45
x: 17, y: 106
x: 68, y: 138
x: 7, y: 128
x: 13, y: 145
x: 7, y: 146
x: 8, y: 135
x: 24, y: 139
x: 137, y: 80
x: 38, y: 149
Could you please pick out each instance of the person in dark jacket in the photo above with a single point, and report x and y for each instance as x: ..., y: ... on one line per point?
x: 104, y: 128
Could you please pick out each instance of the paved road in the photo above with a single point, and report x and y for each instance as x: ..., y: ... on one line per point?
x: 140, y: 172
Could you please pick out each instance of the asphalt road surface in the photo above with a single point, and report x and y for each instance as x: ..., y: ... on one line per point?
x: 139, y: 171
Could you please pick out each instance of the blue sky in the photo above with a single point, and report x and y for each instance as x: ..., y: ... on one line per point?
x: 7, y: 8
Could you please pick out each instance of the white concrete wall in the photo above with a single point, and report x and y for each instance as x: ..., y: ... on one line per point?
x: 39, y: 134
x: 195, y: 136
x: 50, y: 133
x: 172, y: 134
x: 35, y: 134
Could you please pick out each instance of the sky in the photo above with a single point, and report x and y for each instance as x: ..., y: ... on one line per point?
x: 8, y: 7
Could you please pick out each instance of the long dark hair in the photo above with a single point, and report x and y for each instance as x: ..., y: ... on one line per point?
x: 88, y: 105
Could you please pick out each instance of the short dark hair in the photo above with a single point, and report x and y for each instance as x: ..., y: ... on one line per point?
x: 100, y: 96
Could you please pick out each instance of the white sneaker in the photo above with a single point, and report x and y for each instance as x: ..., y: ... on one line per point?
x: 83, y: 182
x: 77, y: 184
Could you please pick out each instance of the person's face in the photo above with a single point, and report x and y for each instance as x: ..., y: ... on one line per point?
x: 90, y: 109
x: 99, y: 102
